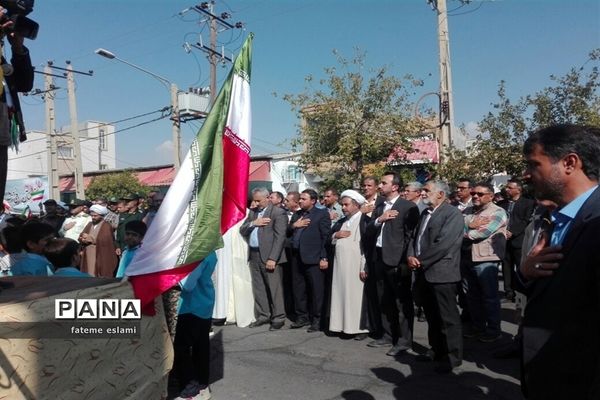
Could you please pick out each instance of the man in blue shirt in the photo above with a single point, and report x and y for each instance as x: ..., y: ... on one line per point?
x: 561, y: 325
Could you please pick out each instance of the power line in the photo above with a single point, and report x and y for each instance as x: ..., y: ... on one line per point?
x: 112, y: 133
x: 162, y: 110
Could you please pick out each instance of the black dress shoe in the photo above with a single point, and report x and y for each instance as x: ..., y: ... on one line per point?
x: 276, y: 326
x: 258, y: 322
x: 361, y: 336
x: 313, y: 328
x: 299, y: 324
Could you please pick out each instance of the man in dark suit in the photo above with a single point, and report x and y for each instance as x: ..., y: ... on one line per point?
x: 392, y: 225
x: 371, y: 314
x: 434, y: 255
x: 265, y: 230
x: 561, y: 326
x: 519, y: 210
x: 309, y: 231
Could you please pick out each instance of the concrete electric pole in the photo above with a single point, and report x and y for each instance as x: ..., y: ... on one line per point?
x: 447, y: 103
x: 78, y: 164
x: 215, y: 21
x: 51, y: 129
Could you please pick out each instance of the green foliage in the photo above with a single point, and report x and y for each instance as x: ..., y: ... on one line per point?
x: 574, y: 98
x: 115, y: 185
x: 354, y: 117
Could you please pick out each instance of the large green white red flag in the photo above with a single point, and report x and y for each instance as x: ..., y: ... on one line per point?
x: 208, y: 195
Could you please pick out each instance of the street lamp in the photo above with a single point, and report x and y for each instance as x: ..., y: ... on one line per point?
x: 174, y: 101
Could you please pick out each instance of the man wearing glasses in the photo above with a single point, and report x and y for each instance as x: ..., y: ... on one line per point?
x: 485, y: 243
x: 463, y: 192
x: 412, y: 192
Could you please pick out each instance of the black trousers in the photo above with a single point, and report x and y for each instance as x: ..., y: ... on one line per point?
x: 192, y: 349
x: 371, y: 318
x: 395, y: 301
x: 308, y: 289
x: 510, y: 264
x: 443, y: 319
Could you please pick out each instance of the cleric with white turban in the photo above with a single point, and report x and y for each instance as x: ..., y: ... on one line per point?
x: 354, y: 195
x: 98, y: 209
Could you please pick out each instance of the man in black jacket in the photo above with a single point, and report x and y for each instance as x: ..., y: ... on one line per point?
x: 519, y: 210
x: 309, y: 230
x: 18, y: 77
x: 392, y: 225
x: 561, y: 325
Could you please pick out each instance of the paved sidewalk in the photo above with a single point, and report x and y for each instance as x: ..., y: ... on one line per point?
x: 293, y: 364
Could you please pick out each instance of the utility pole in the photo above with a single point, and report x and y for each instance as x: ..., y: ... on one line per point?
x: 213, y: 57
x: 78, y: 164
x: 51, y: 129
x: 215, y: 21
x: 446, y: 103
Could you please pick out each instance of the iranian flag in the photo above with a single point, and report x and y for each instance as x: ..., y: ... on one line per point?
x: 208, y: 195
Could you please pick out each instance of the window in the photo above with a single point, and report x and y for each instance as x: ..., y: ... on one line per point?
x: 65, y: 152
x: 101, y: 139
x: 103, y: 167
x: 293, y: 173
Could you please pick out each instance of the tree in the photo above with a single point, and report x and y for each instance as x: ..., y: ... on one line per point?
x: 115, y: 185
x: 354, y: 118
x: 574, y: 98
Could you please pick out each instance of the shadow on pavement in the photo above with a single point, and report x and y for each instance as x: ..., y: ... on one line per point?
x: 356, y: 395
x: 423, y: 383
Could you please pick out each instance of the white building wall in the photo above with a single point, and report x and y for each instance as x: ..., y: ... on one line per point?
x: 287, y: 175
x: 32, y: 158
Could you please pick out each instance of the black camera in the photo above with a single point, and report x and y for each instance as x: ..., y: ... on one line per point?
x: 16, y: 11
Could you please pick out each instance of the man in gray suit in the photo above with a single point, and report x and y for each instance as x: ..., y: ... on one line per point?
x: 265, y: 230
x: 434, y: 255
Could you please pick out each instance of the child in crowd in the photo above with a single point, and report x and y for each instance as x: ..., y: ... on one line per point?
x: 134, y: 234
x: 65, y: 255
x: 32, y: 237
x: 192, y: 341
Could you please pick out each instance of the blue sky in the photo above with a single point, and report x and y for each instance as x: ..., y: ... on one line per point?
x: 520, y: 41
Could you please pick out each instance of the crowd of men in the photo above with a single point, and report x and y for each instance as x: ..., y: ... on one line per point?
x: 103, y: 230
x: 361, y: 263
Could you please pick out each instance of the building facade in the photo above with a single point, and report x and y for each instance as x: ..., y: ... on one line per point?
x: 98, y: 150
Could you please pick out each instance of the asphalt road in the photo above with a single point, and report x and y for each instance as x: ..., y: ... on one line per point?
x: 293, y: 364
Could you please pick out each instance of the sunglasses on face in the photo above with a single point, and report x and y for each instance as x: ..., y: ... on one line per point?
x: 479, y: 194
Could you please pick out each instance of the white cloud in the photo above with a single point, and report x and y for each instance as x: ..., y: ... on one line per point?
x: 163, y: 153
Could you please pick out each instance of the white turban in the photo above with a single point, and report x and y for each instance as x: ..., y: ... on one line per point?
x: 354, y: 195
x: 98, y: 209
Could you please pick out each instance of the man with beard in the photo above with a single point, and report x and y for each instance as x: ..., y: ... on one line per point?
x: 519, y: 210
x: 74, y: 224
x: 561, y: 325
x: 434, y: 255
x: 309, y: 230
x: 99, y: 257
x: 51, y: 216
x: 392, y: 225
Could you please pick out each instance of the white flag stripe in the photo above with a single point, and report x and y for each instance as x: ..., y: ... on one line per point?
x: 239, y: 117
x: 164, y: 240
